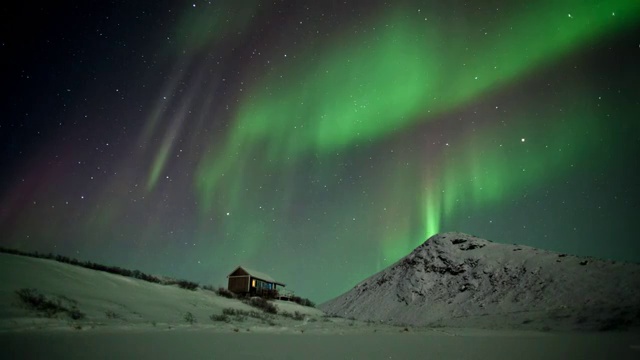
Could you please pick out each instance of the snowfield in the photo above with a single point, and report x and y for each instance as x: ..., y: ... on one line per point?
x: 123, y: 318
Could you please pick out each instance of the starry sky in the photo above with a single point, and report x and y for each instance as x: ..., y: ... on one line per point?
x: 317, y: 141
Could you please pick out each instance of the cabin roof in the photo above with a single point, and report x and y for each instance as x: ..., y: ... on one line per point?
x: 257, y: 275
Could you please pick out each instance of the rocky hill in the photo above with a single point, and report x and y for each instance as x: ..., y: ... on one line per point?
x: 454, y: 279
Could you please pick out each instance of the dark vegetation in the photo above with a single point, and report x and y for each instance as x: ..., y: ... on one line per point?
x: 49, y: 307
x: 236, y: 315
x: 303, y: 301
x: 183, y: 284
x: 225, y: 293
x: 221, y: 317
x: 268, y: 294
x: 188, y: 285
x: 262, y: 304
x: 295, y: 316
x: 189, y: 318
x: 112, y: 314
x: 273, y: 294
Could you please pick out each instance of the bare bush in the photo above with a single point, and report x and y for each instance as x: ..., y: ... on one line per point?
x: 189, y: 318
x: 36, y: 301
x: 225, y: 293
x: 262, y: 304
x: 295, y: 316
x: 188, y: 285
x: 221, y: 317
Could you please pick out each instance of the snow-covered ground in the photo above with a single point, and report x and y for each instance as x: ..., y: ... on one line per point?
x: 460, y: 280
x: 127, y: 318
x: 115, y: 301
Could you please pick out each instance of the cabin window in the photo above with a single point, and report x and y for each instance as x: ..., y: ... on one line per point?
x: 253, y: 283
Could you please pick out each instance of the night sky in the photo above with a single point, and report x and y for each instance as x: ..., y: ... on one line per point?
x: 316, y: 141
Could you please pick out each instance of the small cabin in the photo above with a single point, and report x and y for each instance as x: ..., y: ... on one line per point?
x: 250, y: 282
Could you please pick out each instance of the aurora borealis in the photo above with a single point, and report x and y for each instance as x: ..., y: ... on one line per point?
x: 317, y: 141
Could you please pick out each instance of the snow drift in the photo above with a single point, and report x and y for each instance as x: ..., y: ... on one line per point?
x: 454, y: 279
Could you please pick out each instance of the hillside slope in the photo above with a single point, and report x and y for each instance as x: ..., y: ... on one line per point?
x: 107, y: 299
x: 454, y: 279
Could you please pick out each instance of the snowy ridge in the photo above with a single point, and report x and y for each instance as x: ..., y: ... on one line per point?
x: 456, y: 279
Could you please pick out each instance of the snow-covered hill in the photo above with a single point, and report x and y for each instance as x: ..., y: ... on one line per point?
x: 114, y: 301
x: 454, y: 279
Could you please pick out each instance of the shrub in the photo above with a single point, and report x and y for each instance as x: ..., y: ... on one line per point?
x: 188, y: 317
x: 269, y: 294
x: 189, y: 285
x: 303, y: 301
x: 38, y: 302
x: 76, y: 314
x: 307, y: 302
x: 149, y: 278
x: 238, y: 315
x: 263, y: 305
x: 233, y: 312
x: 112, y: 315
x: 225, y: 293
x: 241, y: 315
x: 48, y: 307
x: 146, y: 277
x: 295, y: 316
x: 221, y: 317
x: 259, y: 315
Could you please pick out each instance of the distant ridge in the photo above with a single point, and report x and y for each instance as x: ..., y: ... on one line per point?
x: 455, y: 279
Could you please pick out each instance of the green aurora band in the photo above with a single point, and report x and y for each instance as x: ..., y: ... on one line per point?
x: 407, y: 71
x: 363, y: 89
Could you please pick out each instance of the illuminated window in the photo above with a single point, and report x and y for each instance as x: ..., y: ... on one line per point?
x: 253, y: 283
